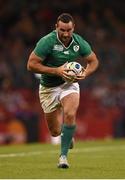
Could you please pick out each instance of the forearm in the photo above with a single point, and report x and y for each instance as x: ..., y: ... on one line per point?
x: 92, y: 64
x: 91, y: 67
x: 39, y: 68
x: 35, y: 65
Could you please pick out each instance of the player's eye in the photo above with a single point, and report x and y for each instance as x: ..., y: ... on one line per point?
x: 69, y: 30
x: 63, y: 30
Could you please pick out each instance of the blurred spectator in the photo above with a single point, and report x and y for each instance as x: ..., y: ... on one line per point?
x: 16, y: 132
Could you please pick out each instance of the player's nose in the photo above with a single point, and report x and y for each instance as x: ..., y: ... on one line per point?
x: 66, y: 34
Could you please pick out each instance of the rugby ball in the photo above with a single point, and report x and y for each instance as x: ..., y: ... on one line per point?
x: 74, y: 68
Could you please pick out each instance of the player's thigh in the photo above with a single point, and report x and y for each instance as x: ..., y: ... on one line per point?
x: 54, y: 120
x: 49, y: 98
x: 70, y: 97
x: 70, y: 104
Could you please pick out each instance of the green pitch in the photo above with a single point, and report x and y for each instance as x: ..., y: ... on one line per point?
x: 88, y: 160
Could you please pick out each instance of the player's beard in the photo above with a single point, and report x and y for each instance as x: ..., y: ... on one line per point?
x: 66, y: 40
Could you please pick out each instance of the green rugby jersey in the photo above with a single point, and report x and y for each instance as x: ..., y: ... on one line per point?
x: 54, y: 54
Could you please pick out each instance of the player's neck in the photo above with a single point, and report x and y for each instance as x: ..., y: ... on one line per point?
x: 66, y: 44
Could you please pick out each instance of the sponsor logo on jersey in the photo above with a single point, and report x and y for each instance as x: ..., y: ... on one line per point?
x: 76, y: 48
x: 58, y: 47
x: 66, y: 52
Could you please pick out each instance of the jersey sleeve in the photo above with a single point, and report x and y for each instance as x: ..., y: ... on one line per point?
x: 85, y: 48
x: 43, y: 47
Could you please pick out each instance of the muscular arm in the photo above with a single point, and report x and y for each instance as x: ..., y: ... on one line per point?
x: 92, y: 63
x: 35, y: 65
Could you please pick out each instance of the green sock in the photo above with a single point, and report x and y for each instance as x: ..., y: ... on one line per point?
x: 66, y: 137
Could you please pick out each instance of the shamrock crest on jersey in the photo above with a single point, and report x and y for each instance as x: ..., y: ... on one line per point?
x: 76, y: 48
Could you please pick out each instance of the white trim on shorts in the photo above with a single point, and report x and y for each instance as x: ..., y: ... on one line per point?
x: 67, y: 93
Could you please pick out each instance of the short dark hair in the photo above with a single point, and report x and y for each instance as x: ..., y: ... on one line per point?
x: 65, y: 17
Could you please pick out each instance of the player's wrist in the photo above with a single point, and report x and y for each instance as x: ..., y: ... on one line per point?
x: 54, y: 71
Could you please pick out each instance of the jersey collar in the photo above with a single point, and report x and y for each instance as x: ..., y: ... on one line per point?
x: 61, y: 41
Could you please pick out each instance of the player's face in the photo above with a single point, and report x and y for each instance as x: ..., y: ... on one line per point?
x: 65, y: 31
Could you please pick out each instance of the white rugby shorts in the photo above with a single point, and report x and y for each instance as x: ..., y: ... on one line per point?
x: 50, y: 96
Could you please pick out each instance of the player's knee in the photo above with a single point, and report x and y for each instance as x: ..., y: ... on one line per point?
x: 69, y: 116
x: 55, y: 133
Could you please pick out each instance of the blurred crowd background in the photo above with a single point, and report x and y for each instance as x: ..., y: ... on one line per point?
x: 22, y: 24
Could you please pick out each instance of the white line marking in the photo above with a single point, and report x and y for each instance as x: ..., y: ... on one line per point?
x: 77, y: 150
x: 20, y: 154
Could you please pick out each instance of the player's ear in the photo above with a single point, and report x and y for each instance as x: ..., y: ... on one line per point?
x: 56, y: 26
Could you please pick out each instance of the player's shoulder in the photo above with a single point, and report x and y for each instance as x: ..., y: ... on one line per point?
x: 78, y: 38
x: 50, y: 37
